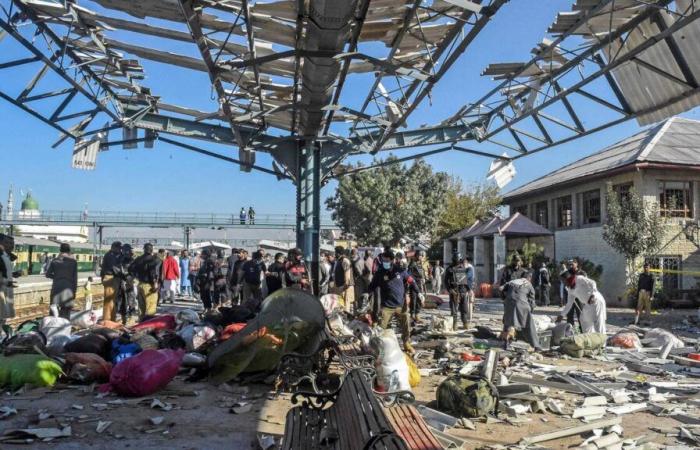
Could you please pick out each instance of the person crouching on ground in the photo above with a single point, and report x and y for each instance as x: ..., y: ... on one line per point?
x: 593, y: 313
x: 518, y: 309
x: 390, y: 279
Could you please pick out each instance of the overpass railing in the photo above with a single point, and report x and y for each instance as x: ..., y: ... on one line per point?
x: 156, y: 218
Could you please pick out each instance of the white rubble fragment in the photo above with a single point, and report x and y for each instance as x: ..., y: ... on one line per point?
x: 628, y: 408
x: 598, y: 400
x: 588, y: 411
x: 554, y: 406
x: 103, y: 425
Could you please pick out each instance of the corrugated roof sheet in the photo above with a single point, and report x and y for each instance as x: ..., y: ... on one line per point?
x: 674, y: 141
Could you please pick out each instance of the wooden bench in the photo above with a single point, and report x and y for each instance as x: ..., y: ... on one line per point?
x: 349, y: 419
x: 356, y: 417
x: 349, y: 352
x: 408, y: 423
x: 312, y: 362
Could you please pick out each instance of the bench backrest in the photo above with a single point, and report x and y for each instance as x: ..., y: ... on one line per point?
x: 360, y: 418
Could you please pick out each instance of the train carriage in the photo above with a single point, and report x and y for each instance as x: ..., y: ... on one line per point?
x: 31, y: 254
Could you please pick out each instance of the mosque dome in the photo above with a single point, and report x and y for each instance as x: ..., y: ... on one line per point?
x: 29, y: 204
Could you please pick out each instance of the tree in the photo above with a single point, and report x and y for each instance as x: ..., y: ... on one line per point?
x: 382, y: 205
x: 633, y: 227
x: 530, y: 253
x: 464, y: 206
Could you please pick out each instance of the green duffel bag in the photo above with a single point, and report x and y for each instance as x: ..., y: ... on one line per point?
x: 467, y: 397
x: 588, y: 344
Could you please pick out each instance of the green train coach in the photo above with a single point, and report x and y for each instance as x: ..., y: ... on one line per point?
x: 31, y: 254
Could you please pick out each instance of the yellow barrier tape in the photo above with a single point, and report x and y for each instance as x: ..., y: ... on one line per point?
x: 679, y: 272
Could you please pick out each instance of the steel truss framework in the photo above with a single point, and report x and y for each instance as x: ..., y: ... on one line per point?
x: 277, y: 71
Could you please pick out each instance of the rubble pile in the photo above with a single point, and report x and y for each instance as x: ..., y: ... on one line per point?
x: 586, y: 393
x: 634, y: 388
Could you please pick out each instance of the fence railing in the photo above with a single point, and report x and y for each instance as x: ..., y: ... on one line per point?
x: 157, y: 218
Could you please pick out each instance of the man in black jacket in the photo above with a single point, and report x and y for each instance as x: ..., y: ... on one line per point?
x: 109, y: 283
x: 63, y: 270
x: 209, y: 272
x: 391, y: 279
x: 645, y: 292
x: 417, y: 268
x: 7, y: 275
x: 146, y: 269
x: 275, y: 274
x: 459, y: 278
x: 543, y: 284
x: 253, y: 271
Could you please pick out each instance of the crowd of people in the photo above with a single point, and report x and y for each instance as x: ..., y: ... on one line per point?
x: 389, y: 285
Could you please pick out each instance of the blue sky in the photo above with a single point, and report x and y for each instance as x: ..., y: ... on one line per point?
x: 167, y: 178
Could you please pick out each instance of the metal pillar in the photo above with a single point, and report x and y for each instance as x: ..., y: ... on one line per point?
x: 188, y: 233
x: 309, y: 208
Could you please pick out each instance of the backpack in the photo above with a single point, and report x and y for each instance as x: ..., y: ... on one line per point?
x: 467, y: 396
x: 251, y: 272
x: 588, y: 344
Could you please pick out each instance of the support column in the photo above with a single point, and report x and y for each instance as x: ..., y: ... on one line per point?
x: 480, y: 264
x: 188, y: 233
x: 499, y: 255
x: 309, y: 208
x: 447, y: 249
x: 462, y: 247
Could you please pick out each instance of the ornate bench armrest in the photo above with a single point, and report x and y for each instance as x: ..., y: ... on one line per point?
x: 392, y: 398
x: 314, y: 400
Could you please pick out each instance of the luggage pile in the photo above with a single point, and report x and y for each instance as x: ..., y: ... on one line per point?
x: 142, y: 359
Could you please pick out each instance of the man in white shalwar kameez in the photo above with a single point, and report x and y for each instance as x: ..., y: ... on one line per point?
x: 594, y: 315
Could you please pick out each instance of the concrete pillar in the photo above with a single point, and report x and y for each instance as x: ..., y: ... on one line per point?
x: 447, y: 249
x: 480, y: 263
x: 499, y: 255
x: 462, y: 247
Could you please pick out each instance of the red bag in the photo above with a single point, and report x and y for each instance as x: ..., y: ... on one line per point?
x: 230, y: 330
x: 87, y: 367
x: 157, y: 323
x: 145, y: 373
x: 626, y: 340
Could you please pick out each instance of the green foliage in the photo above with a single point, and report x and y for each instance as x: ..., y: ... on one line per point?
x: 383, y: 205
x: 463, y: 206
x: 632, y: 227
x: 530, y: 253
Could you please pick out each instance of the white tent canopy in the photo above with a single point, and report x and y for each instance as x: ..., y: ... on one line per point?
x: 208, y: 244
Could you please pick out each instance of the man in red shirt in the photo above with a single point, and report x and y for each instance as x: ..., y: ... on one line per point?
x: 171, y: 273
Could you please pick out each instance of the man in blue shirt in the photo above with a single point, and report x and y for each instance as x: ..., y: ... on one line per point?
x: 392, y: 280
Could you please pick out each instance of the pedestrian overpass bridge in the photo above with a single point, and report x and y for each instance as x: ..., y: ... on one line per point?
x: 159, y: 220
